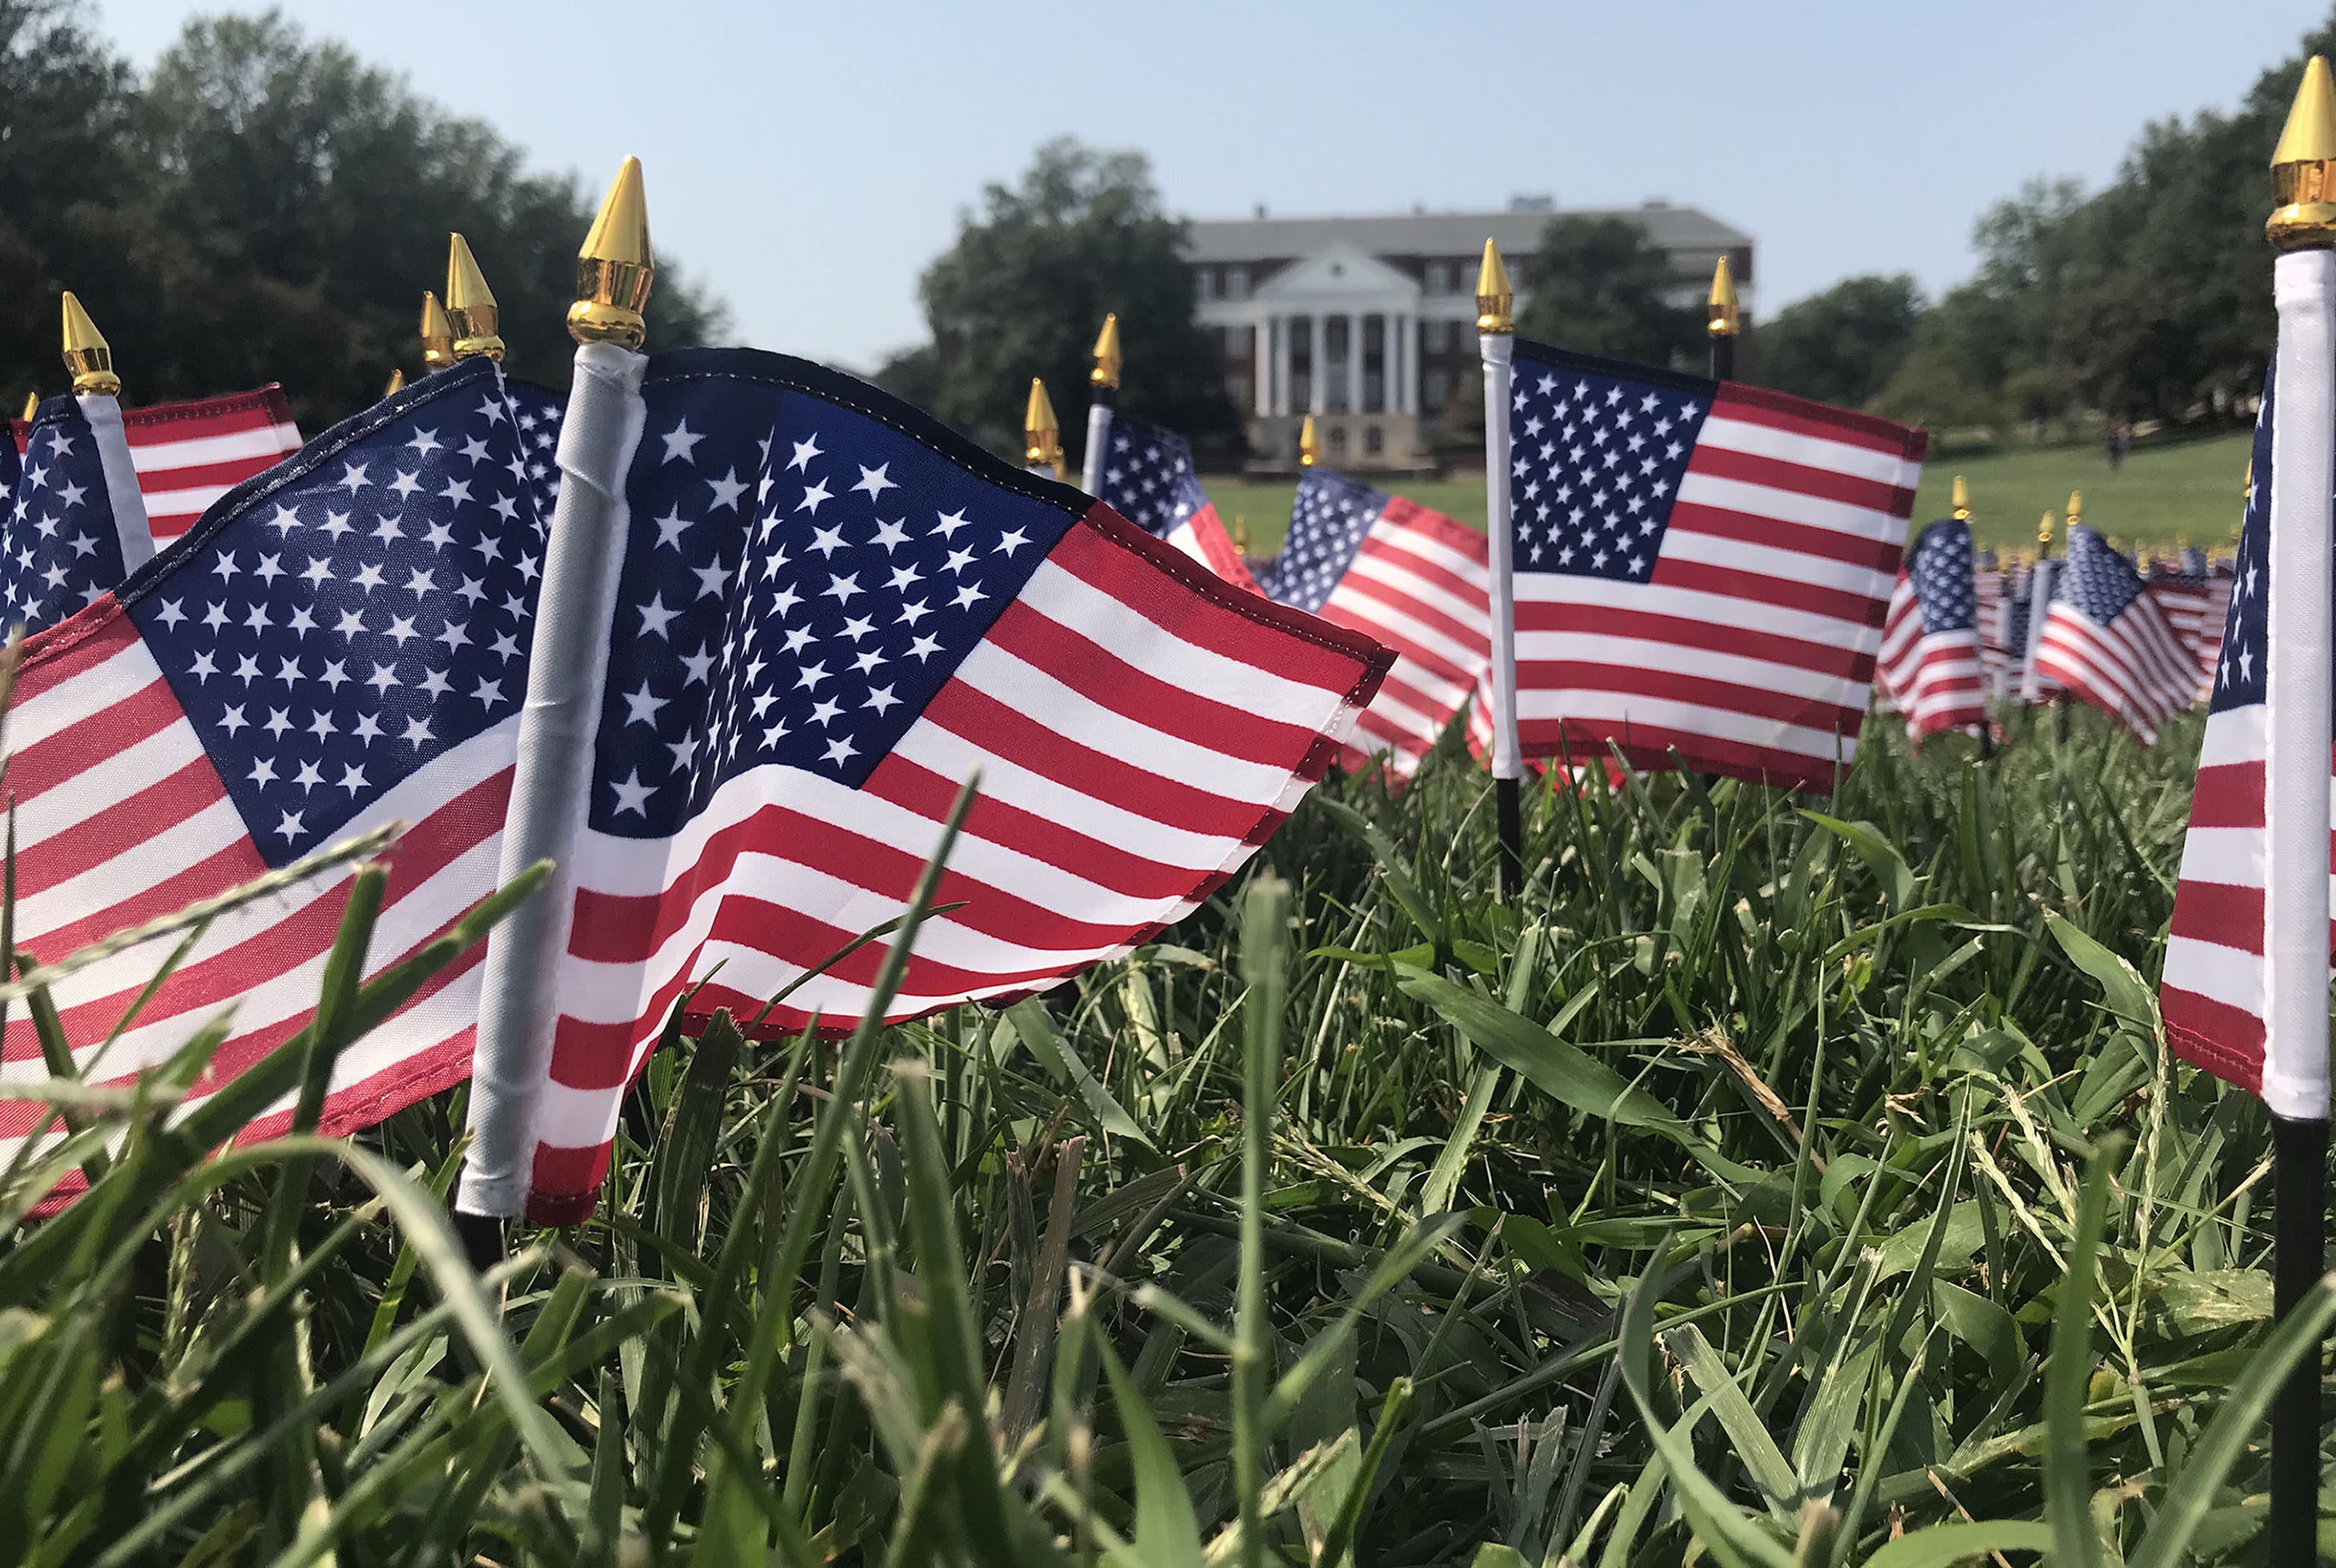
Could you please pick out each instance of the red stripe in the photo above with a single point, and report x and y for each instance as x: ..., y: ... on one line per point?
x: 1401, y: 513
x: 73, y: 645
x: 919, y: 789
x: 1735, y: 582
x: 1823, y: 658
x: 2229, y: 795
x: 2219, y: 915
x: 1476, y: 638
x: 254, y: 410
x: 1878, y: 555
x: 1819, y: 421
x: 1343, y: 611
x: 1679, y: 686
x: 1650, y: 748
x: 95, y: 739
x: 1800, y: 479
x: 2227, y: 1041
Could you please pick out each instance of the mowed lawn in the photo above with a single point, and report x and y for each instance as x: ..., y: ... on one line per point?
x: 2188, y: 489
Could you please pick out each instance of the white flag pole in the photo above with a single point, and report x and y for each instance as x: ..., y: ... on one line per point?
x: 1496, y: 336
x: 568, y: 665
x: 1103, y: 392
x: 98, y: 390
x: 2300, y: 646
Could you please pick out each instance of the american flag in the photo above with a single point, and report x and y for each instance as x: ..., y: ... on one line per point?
x: 2184, y: 594
x: 2212, y: 996
x: 189, y: 454
x: 1411, y: 577
x: 538, y: 412
x: 829, y: 612
x: 60, y: 547
x: 1699, y: 567
x: 1929, y: 667
x: 2107, y: 641
x: 341, y: 643
x: 1148, y: 477
x: 2003, y: 624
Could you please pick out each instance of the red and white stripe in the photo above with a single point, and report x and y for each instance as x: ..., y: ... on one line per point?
x: 189, y: 454
x: 2186, y: 607
x: 1202, y: 537
x: 1932, y: 678
x: 2134, y: 669
x: 1139, y: 732
x: 1750, y: 649
x: 1418, y: 583
x: 122, y: 818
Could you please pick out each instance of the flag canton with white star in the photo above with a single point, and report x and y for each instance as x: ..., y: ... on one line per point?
x: 1941, y: 567
x: 60, y: 549
x: 2096, y: 578
x: 537, y: 411
x: 1595, y: 461
x: 801, y: 580
x: 1148, y: 477
x: 2240, y: 672
x: 348, y: 616
x: 1327, y: 522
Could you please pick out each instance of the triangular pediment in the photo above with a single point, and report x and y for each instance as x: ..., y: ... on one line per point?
x: 1338, y: 272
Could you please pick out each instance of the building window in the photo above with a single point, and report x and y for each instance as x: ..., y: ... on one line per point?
x: 1439, y: 277
x: 1435, y: 389
x: 1338, y: 441
x: 1374, y: 440
x: 1236, y: 283
x: 1237, y: 389
x: 1205, y: 281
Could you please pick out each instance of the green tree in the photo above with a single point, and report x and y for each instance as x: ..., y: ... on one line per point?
x: 1841, y: 345
x: 1024, y: 288
x: 1599, y: 285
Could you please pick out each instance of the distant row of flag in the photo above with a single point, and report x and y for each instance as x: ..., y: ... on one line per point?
x: 817, y: 612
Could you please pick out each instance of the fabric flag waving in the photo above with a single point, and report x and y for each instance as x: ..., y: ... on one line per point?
x: 1148, y: 477
x: 1930, y: 669
x: 2184, y: 594
x: 1411, y: 577
x: 340, y: 644
x: 2108, y: 641
x: 1700, y: 567
x: 65, y: 541
x: 2214, y: 995
x: 189, y: 454
x: 829, y: 611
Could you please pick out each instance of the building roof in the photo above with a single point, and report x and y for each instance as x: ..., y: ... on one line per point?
x: 1438, y: 233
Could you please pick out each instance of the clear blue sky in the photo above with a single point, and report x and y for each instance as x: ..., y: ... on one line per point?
x: 808, y: 159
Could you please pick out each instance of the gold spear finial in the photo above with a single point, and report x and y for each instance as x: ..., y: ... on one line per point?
x: 1240, y: 534
x: 1497, y: 302
x: 1962, y: 499
x: 470, y: 304
x: 2304, y: 166
x: 1725, y: 319
x: 396, y: 384
x: 2044, y: 534
x: 87, y: 354
x: 1309, y: 448
x: 437, y: 332
x: 1042, y: 434
x: 615, y: 266
x: 2076, y: 508
x: 1106, y: 372
x: 31, y: 406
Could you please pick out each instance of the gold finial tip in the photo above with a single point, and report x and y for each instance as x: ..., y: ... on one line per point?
x: 86, y: 353
x: 1725, y: 318
x: 2304, y: 166
x: 437, y: 332
x: 1496, y: 301
x: 2076, y: 504
x: 1106, y: 352
x: 470, y: 304
x: 1309, y: 448
x: 615, y: 265
x: 1042, y: 433
x: 1962, y: 499
x: 2310, y: 135
x: 31, y: 406
x: 396, y: 384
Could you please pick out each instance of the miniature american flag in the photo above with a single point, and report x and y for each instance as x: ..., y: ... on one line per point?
x: 189, y: 454
x: 1699, y: 567
x: 1148, y: 477
x: 2185, y: 593
x: 829, y: 612
x: 59, y: 546
x: 2107, y: 641
x: 1412, y: 578
x: 2214, y: 995
x: 341, y: 643
x: 1929, y: 667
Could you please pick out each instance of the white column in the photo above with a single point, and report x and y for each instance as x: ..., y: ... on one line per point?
x: 1317, y: 385
x: 1407, y: 370
x: 1280, y: 328
x: 1354, y: 363
x: 1260, y: 366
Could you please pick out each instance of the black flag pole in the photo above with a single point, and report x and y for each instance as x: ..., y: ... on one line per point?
x: 1725, y: 323
x: 1496, y: 331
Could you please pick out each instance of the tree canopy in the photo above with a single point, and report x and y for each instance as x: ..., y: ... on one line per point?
x: 1841, y: 345
x: 1025, y: 288
x: 265, y: 208
x: 1600, y: 286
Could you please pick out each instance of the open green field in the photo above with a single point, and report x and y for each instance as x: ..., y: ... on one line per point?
x: 2161, y: 492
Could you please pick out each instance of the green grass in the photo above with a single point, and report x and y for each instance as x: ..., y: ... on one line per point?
x: 1777, y: 1181
x: 2185, y: 489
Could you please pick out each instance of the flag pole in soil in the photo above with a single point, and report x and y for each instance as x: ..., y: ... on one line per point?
x: 567, y: 669
x: 1961, y: 512
x: 1102, y: 394
x: 2300, y: 654
x: 1496, y: 330
x: 1724, y: 323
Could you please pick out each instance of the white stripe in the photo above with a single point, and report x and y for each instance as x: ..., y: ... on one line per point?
x: 1424, y: 592
x: 121, y: 676
x: 188, y: 502
x: 1435, y: 553
x: 1692, y: 718
x: 1685, y: 542
x: 1400, y: 627
x: 160, y: 455
x: 1717, y: 609
x: 1809, y: 451
x: 2220, y: 974
x: 1790, y: 506
x: 1708, y: 664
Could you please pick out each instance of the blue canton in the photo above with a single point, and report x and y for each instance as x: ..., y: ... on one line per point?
x: 1327, y: 522
x: 1940, y: 569
x: 538, y: 412
x: 801, y: 580
x: 1596, y: 455
x: 59, y: 548
x: 2096, y: 578
x: 1148, y: 476
x: 364, y: 608
x: 2239, y: 674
